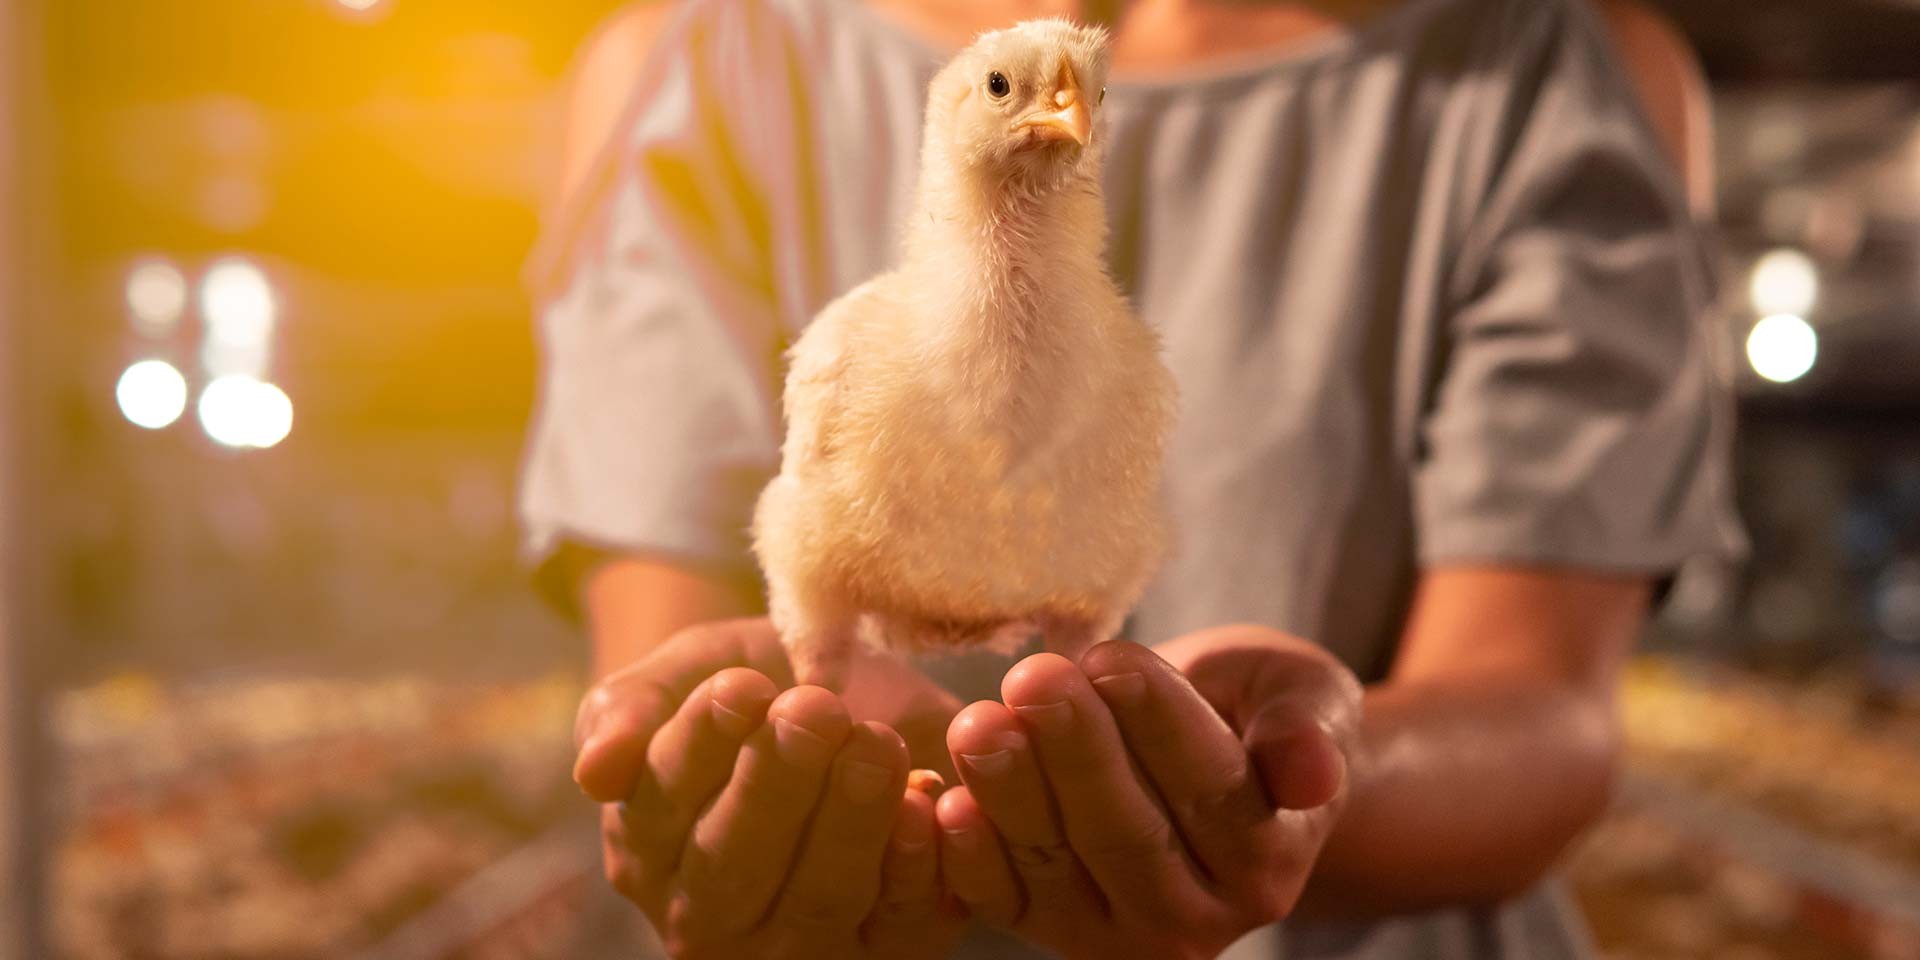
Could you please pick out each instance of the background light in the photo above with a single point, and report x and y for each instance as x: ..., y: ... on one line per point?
x: 1784, y: 281
x: 237, y: 300
x: 1782, y: 348
x: 241, y: 412
x: 152, y: 393
x: 156, y: 296
x: 359, y: 5
x: 238, y: 303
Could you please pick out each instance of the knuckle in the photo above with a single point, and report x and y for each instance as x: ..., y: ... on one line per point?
x: 1127, y: 843
x: 1223, y: 802
x: 1046, y: 860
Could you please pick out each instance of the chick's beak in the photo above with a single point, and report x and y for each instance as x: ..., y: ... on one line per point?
x: 1071, y: 121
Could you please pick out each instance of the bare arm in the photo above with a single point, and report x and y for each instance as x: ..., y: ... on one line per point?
x: 1489, y: 747
x: 635, y: 603
x: 632, y: 602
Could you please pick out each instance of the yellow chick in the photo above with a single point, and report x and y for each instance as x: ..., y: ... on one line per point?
x: 974, y: 439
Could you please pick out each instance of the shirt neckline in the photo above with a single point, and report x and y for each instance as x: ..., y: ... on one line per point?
x: 1204, y: 75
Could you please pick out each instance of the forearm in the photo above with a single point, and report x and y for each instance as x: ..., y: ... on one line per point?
x: 633, y: 604
x: 1490, y: 746
x: 1463, y: 791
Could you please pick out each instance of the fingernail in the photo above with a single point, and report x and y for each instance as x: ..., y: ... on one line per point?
x: 1047, y: 716
x: 863, y: 782
x: 800, y: 746
x: 1125, y: 689
x: 732, y: 722
x: 990, y: 764
x: 960, y: 836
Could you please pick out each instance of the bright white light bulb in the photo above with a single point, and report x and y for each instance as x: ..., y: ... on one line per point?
x: 273, y: 416
x: 238, y: 302
x: 1784, y: 281
x: 1782, y: 348
x: 156, y: 293
x: 152, y: 394
x: 239, y: 411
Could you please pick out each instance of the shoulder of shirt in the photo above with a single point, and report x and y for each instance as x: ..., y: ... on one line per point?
x: 601, y: 81
x: 610, y: 65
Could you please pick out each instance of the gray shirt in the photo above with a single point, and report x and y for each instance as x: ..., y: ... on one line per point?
x: 1429, y: 289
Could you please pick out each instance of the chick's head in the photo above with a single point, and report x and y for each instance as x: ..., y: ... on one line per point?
x: 1023, y: 103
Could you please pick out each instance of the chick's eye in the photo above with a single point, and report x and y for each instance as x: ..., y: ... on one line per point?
x: 1103, y: 97
x: 997, y: 85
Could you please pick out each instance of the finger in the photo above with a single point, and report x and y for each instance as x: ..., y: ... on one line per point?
x: 971, y: 861
x: 1195, y: 761
x: 690, y: 760
x: 909, y: 905
x: 620, y: 715
x: 1299, y: 765
x: 740, y: 849
x: 624, y: 871
x: 996, y: 760
x: 910, y: 874
x: 1293, y: 705
x: 1111, y: 818
x: 836, y: 880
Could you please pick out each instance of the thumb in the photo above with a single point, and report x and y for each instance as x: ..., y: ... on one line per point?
x: 1298, y: 762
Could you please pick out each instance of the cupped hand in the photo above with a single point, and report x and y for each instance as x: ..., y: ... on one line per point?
x: 752, y: 818
x: 1115, y: 808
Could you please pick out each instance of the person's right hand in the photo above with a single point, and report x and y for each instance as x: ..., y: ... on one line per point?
x: 751, y: 818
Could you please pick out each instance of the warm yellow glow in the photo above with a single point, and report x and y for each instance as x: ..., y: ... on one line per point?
x: 358, y: 4
x: 152, y: 393
x: 238, y: 303
x: 1784, y: 281
x: 1782, y: 348
x: 240, y: 411
x: 156, y: 296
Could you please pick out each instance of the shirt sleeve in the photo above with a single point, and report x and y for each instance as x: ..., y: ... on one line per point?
x: 1581, y: 416
x: 665, y: 296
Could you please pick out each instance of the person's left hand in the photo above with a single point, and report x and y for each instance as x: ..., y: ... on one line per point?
x: 1117, y: 809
